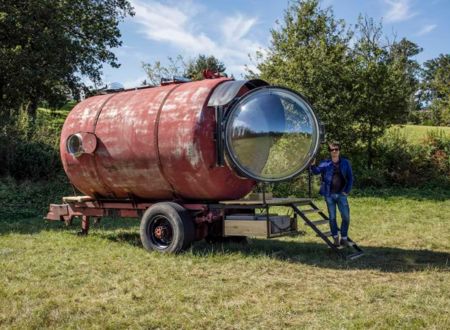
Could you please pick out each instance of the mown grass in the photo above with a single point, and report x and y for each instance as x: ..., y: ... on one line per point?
x: 417, y: 133
x: 52, y: 278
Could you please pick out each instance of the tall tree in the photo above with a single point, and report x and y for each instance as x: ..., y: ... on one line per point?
x: 358, y: 90
x: 47, y: 45
x: 403, y: 52
x: 192, y: 69
x: 309, y: 53
x: 156, y: 71
x: 384, y: 80
x: 197, y: 65
x: 436, y: 88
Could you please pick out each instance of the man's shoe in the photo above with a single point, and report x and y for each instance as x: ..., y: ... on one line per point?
x: 336, y: 241
x: 347, y: 242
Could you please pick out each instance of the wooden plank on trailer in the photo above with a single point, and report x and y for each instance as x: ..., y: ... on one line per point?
x: 77, y: 199
x: 273, y: 201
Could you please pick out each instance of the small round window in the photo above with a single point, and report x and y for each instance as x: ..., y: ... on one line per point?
x: 75, y: 145
x: 272, y: 134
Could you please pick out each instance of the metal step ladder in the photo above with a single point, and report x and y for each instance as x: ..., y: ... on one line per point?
x: 325, y: 235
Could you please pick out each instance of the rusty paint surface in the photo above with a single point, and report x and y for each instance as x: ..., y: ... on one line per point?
x: 154, y: 144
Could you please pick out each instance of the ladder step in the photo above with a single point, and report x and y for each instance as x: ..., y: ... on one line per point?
x: 320, y: 222
x: 310, y: 211
x: 355, y: 255
x: 325, y: 234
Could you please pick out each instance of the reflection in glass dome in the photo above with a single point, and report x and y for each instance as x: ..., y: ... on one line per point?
x: 272, y: 134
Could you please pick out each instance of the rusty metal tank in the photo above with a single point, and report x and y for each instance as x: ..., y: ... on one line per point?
x: 165, y: 142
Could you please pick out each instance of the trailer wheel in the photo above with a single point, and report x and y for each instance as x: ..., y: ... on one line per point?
x: 166, y: 227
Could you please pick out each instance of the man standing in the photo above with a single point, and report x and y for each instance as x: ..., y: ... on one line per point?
x: 337, y: 181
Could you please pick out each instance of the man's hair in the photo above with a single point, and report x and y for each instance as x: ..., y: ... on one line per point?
x: 334, y: 144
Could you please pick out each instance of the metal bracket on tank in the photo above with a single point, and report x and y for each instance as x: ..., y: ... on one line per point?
x: 220, y: 159
x: 322, y: 132
x: 227, y: 91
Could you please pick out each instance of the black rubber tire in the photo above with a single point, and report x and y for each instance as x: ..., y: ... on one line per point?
x: 173, y: 217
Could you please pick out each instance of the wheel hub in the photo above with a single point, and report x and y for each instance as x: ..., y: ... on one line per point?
x: 161, y: 232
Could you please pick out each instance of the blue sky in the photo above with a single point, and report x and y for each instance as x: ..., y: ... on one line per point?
x: 232, y: 29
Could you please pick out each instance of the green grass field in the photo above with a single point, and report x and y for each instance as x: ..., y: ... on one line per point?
x: 416, y: 133
x: 50, y: 278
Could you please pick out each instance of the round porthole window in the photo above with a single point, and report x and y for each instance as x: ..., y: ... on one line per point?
x: 271, y: 134
x: 75, y: 145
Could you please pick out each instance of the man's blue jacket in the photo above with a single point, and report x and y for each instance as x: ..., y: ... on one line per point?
x: 326, y: 169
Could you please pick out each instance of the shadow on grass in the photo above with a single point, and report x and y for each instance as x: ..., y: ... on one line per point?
x: 386, y: 259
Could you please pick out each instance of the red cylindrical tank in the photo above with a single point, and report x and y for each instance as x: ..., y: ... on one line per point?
x: 153, y: 143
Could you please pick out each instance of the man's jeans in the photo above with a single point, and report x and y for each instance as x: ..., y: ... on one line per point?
x: 344, y: 210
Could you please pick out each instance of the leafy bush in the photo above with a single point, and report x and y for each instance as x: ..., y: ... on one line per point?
x: 401, y: 163
x: 30, y: 151
x: 24, y: 198
x: 397, y: 162
x: 295, y: 188
x: 370, y: 178
x: 33, y: 161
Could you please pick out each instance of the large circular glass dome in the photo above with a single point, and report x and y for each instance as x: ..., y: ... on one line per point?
x: 271, y: 134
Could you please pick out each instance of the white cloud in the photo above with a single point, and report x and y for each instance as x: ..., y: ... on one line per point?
x: 169, y: 24
x: 180, y: 26
x: 399, y: 10
x: 130, y: 52
x: 236, y: 27
x: 426, y: 29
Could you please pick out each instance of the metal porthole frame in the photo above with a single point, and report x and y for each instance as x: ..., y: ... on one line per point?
x: 234, y: 105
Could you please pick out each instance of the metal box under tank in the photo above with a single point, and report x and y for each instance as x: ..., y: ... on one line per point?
x: 258, y: 225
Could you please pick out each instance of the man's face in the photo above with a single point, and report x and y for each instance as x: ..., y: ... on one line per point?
x: 334, y: 151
